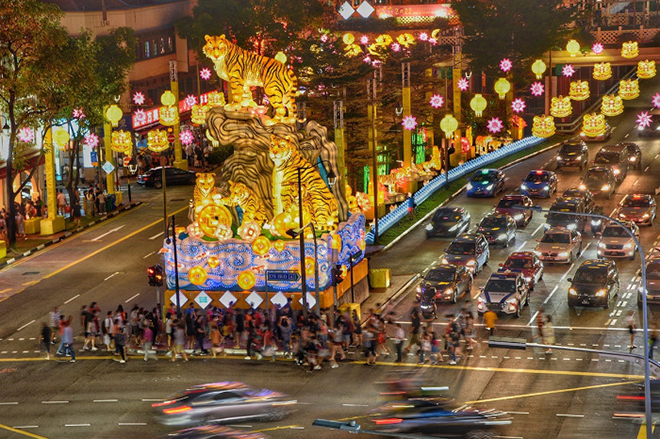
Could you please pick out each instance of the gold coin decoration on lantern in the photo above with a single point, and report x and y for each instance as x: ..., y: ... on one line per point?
x: 197, y: 275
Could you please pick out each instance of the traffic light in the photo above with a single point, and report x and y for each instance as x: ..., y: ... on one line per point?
x: 155, y: 274
x: 337, y: 277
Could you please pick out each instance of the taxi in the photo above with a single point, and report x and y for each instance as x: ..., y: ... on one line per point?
x: 559, y: 245
x: 539, y: 183
x: 638, y: 208
x: 525, y: 263
x: 486, y: 183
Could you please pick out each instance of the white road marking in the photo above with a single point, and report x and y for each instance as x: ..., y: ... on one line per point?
x: 156, y: 400
x: 106, y: 400
x: 646, y: 169
x: 568, y: 415
x: 554, y: 290
x: 77, y: 425
x: 156, y: 236
x: 23, y: 427
x: 146, y: 256
x: 521, y: 246
x: 111, y: 276
x: 131, y: 424
x: 131, y: 298
x: 72, y: 299
x: 517, y: 413
x: 355, y: 405
x: 635, y: 183
x: 54, y: 402
x: 613, y: 322
x: 537, y: 229
x: 98, y: 238
x: 9, y: 403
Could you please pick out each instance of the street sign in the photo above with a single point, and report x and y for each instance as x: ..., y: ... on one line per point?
x: 170, y: 137
x: 108, y: 167
x: 282, y: 276
x: 94, y: 158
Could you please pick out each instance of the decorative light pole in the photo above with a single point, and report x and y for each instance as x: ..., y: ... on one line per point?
x: 449, y: 125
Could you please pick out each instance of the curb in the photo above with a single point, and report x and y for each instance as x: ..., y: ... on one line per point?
x: 34, y: 250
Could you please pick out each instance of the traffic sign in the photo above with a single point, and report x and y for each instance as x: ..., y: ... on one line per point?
x: 127, y: 161
x: 108, y: 167
x: 94, y: 158
x: 170, y: 137
x: 282, y: 276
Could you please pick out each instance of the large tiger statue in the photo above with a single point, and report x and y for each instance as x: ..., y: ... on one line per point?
x: 244, y: 197
x: 243, y: 69
x: 317, y: 198
x: 204, y: 188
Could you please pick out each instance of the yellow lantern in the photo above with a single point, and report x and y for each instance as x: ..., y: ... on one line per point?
x: 593, y: 125
x: 573, y: 47
x: 579, y: 90
x: 448, y: 124
x: 646, y: 69
x: 478, y: 104
x: 544, y: 126
x: 539, y: 68
x: 157, y: 140
x: 114, y: 114
x: 121, y: 141
x: 167, y: 98
x: 406, y: 39
x: 348, y: 38
x: 629, y: 89
x: 602, y: 71
x: 502, y: 87
x: 281, y: 57
x: 61, y: 137
x: 561, y: 106
x: 216, y: 99
x: 612, y: 105
x: 629, y: 50
x: 168, y: 116
x: 198, y: 114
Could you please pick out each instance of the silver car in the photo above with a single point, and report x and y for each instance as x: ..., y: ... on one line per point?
x: 639, y: 208
x: 617, y: 243
x: 559, y: 245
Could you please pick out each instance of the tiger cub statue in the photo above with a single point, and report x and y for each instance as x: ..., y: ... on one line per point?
x: 251, y: 205
x: 243, y: 69
x: 202, y: 194
x: 317, y: 197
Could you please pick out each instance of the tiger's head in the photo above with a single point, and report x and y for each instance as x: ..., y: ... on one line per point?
x: 205, y: 182
x: 238, y: 192
x: 216, y: 47
x: 281, y: 149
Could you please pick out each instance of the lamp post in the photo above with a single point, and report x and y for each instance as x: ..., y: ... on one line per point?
x: 300, y: 232
x: 176, y: 268
x: 372, y: 86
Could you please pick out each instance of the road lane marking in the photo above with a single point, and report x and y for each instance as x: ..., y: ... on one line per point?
x: 537, y: 229
x: 568, y: 415
x: 131, y: 424
x: 355, y: 405
x: 105, y: 400
x: 642, y: 431
x: 54, y: 402
x: 5, y: 290
x: 131, y: 298
x: 98, y: 238
x: 152, y: 400
x: 554, y: 290
x: 521, y: 246
x: 517, y: 413
x: 71, y: 299
x: 145, y: 257
x: 25, y: 325
x: 156, y: 235
x: 77, y: 425
x: 18, y: 430
x: 283, y: 427
x: 111, y: 276
x: 9, y: 403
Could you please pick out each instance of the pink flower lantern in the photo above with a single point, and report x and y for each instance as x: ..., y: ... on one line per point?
x: 364, y: 39
x: 495, y: 125
x: 568, y: 70
x: 140, y: 116
x: 186, y: 137
x: 78, y: 113
x: 26, y: 135
x: 644, y: 119
x: 537, y: 89
x: 518, y: 105
x: 437, y: 101
x: 409, y: 123
x: 396, y: 47
x: 324, y: 38
x: 138, y: 98
x: 423, y: 36
x: 205, y: 74
x: 597, y: 48
x: 505, y: 65
x: 463, y: 84
x: 91, y: 140
x: 656, y: 100
x: 191, y: 100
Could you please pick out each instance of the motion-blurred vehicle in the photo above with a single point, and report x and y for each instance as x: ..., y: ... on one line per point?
x: 469, y: 250
x: 605, y: 135
x: 525, y: 263
x: 638, y: 208
x: 596, y: 281
x: 567, y: 213
x: 539, y: 183
x: 559, y: 245
x: 504, y: 293
x: 651, y: 130
x: 634, y: 155
x: 154, y: 177
x: 615, y: 241
x: 652, y: 281
x: 448, y: 221
x: 214, y: 432
x: 498, y: 229
x: 616, y: 157
x: 222, y: 402
x: 573, y: 153
x: 584, y: 193
x: 449, y: 281
x: 486, y: 183
x: 599, y: 180
x: 521, y: 216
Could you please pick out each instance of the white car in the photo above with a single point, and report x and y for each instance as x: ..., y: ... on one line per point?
x: 617, y: 243
x: 559, y: 245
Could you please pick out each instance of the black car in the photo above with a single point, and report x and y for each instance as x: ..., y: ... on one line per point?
x: 448, y: 221
x: 650, y: 130
x: 634, y: 155
x: 449, y: 281
x: 583, y: 193
x: 575, y: 153
x: 571, y: 222
x: 652, y: 281
x: 599, y: 180
x: 498, y: 229
x: 616, y: 157
x: 154, y: 177
x: 595, y: 283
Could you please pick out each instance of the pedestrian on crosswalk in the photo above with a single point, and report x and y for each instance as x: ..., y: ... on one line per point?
x: 67, y: 340
x: 490, y: 317
x: 46, y: 339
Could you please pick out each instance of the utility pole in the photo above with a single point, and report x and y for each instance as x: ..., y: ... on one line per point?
x: 372, y: 85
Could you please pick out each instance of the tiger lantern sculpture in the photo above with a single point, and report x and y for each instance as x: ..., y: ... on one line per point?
x: 242, y: 196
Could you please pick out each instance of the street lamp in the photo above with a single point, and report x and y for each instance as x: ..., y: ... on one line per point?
x: 172, y: 240
x: 299, y: 232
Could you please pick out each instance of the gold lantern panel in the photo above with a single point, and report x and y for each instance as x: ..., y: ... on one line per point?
x: 121, y: 141
x: 198, y: 114
x: 602, y: 71
x: 502, y: 87
x: 561, y: 106
x: 157, y: 140
x: 629, y: 50
x: 168, y: 115
x: 646, y: 69
x: 629, y: 89
x: 593, y: 124
x: 612, y: 105
x: 539, y: 68
x: 478, y: 104
x: 579, y: 90
x: 449, y: 124
x: 544, y: 126
x: 216, y: 99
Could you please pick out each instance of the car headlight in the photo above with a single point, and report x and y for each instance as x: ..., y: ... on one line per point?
x: 606, y: 187
x: 572, y: 291
x: 629, y: 245
x: 622, y: 215
x: 445, y: 261
x: 579, y: 159
x: 632, y: 159
x: 469, y: 186
x: 646, y: 215
x: 583, y: 187
x: 563, y: 254
x: 546, y: 188
x: 537, y: 252
x: 571, y: 226
x: 523, y: 187
x: 489, y: 187
x: 601, y: 292
x: 518, y: 216
x: 419, y: 289
x: 471, y: 262
x: 582, y: 134
x: 449, y: 292
x: 453, y: 228
x: 546, y: 226
x: 501, y: 236
x: 596, y: 222
x: 429, y: 227
x: 601, y: 245
x: 559, y: 158
x: 528, y: 278
x: 617, y: 172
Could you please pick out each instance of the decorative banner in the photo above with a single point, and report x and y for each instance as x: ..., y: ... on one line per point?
x: 538, y: 68
x: 629, y: 50
x: 629, y: 88
x: 612, y: 105
x: 602, y: 71
x: 561, y: 106
x: 579, y: 90
x: 478, y: 104
x: 518, y: 105
x: 502, y: 87
x: 594, y: 125
x: 646, y: 69
x: 157, y: 140
x: 544, y: 126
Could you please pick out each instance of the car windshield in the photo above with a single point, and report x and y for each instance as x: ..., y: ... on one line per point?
x: 461, y: 248
x: 518, y: 263
x: 653, y: 271
x: 445, y: 275
x: 481, y: 176
x: 537, y: 178
x: 509, y: 203
x: 591, y: 275
x: 573, y: 193
x: 615, y: 232
x: 446, y: 216
x: 556, y: 238
x: 596, y: 176
x: 493, y: 222
x: 607, y: 157
x: 501, y: 285
x: 571, y: 147
x: 635, y: 202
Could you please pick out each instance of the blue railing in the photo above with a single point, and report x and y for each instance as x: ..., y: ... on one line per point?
x: 438, y: 182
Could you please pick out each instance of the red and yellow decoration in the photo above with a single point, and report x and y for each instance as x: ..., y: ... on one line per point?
x: 629, y: 89
x: 561, y: 106
x: 198, y: 114
x: 216, y: 99
x: 544, y: 126
x: 612, y: 105
x: 646, y: 69
x: 593, y: 124
x: 168, y: 116
x: 122, y: 142
x: 629, y: 50
x: 602, y: 71
x: 247, y: 279
x: 197, y: 275
x: 157, y: 140
x: 579, y: 90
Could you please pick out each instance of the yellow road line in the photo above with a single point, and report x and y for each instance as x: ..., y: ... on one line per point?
x: 32, y: 282
x: 5, y: 290
x: 284, y: 427
x: 24, y: 433
x: 642, y: 431
x: 551, y: 392
x: 96, y: 252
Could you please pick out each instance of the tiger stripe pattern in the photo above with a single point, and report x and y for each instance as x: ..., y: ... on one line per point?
x: 242, y: 196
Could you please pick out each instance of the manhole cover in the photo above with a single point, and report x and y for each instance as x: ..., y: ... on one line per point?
x: 29, y: 273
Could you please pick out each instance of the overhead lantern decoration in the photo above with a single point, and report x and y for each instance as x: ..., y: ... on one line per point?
x: 646, y: 69
x: 384, y: 40
x: 629, y: 89
x: 506, y: 64
x: 543, y: 126
x: 198, y: 114
x: 463, y: 84
x: 568, y: 70
x: 537, y: 89
x: 573, y: 47
x: 478, y: 104
x: 495, y: 125
x: 436, y: 101
x: 561, y: 106
x: 409, y: 123
x: 114, y: 114
x: 518, y: 105
x: 656, y: 100
x: 612, y: 105
x: 405, y: 39
x: 216, y: 99
x: 26, y: 134
x: 644, y: 119
x: 122, y: 142
x: 448, y: 124
x: 593, y: 124
x: 61, y: 137
x: 205, y: 74
x: 168, y: 116
x: 157, y: 140
x: 579, y: 90
x: 91, y: 140
x: 597, y: 48
x: 629, y: 50
x: 538, y: 68
x: 602, y: 71
x: 167, y: 98
x: 348, y: 38
x: 502, y: 87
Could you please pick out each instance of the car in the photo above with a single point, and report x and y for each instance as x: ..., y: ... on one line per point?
x: 615, y: 241
x: 616, y: 157
x: 448, y: 221
x: 525, y: 263
x: 449, y: 281
x: 639, y: 208
x: 634, y: 155
x: 559, y: 245
x: 154, y: 177
x: 652, y: 129
x: 595, y: 283
x: 498, y: 229
x: 486, y: 183
x: 584, y: 193
x: 521, y: 216
x: 600, y: 181
x: 504, y: 292
x: 561, y: 214
x: 228, y: 401
x: 469, y: 250
x: 573, y: 153
x: 214, y: 432
x: 652, y: 281
x: 539, y: 183
x: 604, y: 136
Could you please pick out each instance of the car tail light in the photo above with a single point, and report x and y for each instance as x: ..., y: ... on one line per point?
x: 160, y: 404
x: 630, y: 398
x: 388, y: 421
x: 177, y: 410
